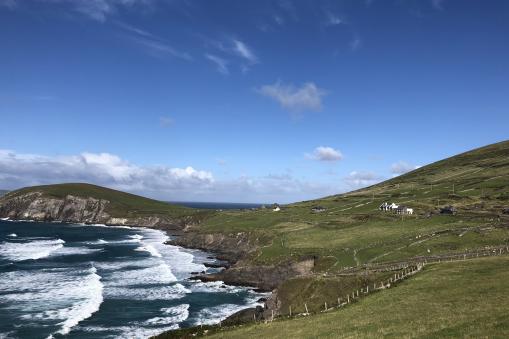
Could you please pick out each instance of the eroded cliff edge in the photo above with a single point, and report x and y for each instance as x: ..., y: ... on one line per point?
x: 74, y: 209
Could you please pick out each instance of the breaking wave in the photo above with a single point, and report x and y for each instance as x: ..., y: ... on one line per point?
x: 37, y: 249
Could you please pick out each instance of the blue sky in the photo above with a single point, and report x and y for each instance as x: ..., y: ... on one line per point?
x: 242, y: 101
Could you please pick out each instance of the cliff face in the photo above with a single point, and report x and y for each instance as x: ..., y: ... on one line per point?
x: 73, y: 209
x: 236, y: 248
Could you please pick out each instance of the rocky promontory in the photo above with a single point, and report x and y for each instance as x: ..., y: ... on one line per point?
x: 37, y: 205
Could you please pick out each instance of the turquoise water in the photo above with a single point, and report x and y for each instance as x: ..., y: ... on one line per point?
x: 76, y: 281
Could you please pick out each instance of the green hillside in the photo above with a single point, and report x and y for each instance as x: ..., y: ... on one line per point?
x: 352, y: 234
x: 466, y: 299
x: 121, y: 204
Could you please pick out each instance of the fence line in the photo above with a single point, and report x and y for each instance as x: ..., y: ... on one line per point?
x: 405, y: 270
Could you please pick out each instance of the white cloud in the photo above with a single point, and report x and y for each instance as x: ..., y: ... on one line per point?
x: 306, y: 98
x: 324, y: 153
x: 106, y: 169
x: 362, y: 179
x: 221, y: 64
x: 241, y: 49
x: 402, y: 167
x: 161, y: 182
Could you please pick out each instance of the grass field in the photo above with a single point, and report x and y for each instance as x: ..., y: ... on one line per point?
x: 457, y: 299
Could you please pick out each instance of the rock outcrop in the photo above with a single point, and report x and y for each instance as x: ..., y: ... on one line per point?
x: 73, y: 209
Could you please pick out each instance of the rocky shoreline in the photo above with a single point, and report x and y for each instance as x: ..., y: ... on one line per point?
x: 235, y: 249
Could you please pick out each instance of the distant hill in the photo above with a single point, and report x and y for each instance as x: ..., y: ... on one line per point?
x: 81, y: 202
x: 3, y: 192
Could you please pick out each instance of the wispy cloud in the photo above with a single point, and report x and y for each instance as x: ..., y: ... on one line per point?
x: 10, y: 4
x: 221, y: 64
x: 308, y: 97
x: 437, y: 4
x: 325, y: 153
x: 150, y: 43
x: 166, y: 121
x: 100, y: 10
x: 402, y: 167
x: 333, y: 19
x: 159, y: 49
x: 241, y: 49
x: 356, y: 43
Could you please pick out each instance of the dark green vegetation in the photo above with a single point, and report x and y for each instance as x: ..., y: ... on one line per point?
x: 458, y: 299
x: 121, y: 204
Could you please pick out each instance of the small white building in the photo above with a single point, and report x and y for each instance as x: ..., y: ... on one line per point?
x: 276, y: 208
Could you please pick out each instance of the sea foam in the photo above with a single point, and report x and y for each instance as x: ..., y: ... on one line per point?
x: 37, y: 249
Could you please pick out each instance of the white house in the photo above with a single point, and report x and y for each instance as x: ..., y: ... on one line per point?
x: 276, y: 208
x: 398, y: 209
x: 388, y: 206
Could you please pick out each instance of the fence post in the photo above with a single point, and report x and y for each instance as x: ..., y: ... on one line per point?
x: 339, y: 302
x: 290, y: 310
x: 306, y: 306
x: 325, y: 306
x: 272, y: 318
x: 348, y: 299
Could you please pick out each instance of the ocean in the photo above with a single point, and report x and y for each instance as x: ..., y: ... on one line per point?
x: 76, y: 281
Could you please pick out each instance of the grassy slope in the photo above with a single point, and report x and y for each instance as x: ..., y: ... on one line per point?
x: 121, y: 204
x: 459, y: 299
x: 353, y: 232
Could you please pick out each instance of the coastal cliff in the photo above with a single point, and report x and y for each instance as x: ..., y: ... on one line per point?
x: 89, y: 204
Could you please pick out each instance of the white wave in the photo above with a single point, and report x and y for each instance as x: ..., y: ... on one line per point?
x: 136, y: 236
x: 157, y: 274
x: 169, y: 292
x: 215, y: 287
x: 172, y: 315
x: 212, y: 315
x: 134, y: 331
x: 75, y: 251
x: 12, y: 235
x: 18, y: 251
x: 65, y: 295
x: 4, y: 219
x: 97, y: 242
x: 150, y: 249
x: 83, y: 310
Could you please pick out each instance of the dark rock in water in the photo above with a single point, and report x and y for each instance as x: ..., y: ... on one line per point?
x: 195, y: 273
x: 210, y: 257
x: 216, y: 265
x: 261, y: 300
